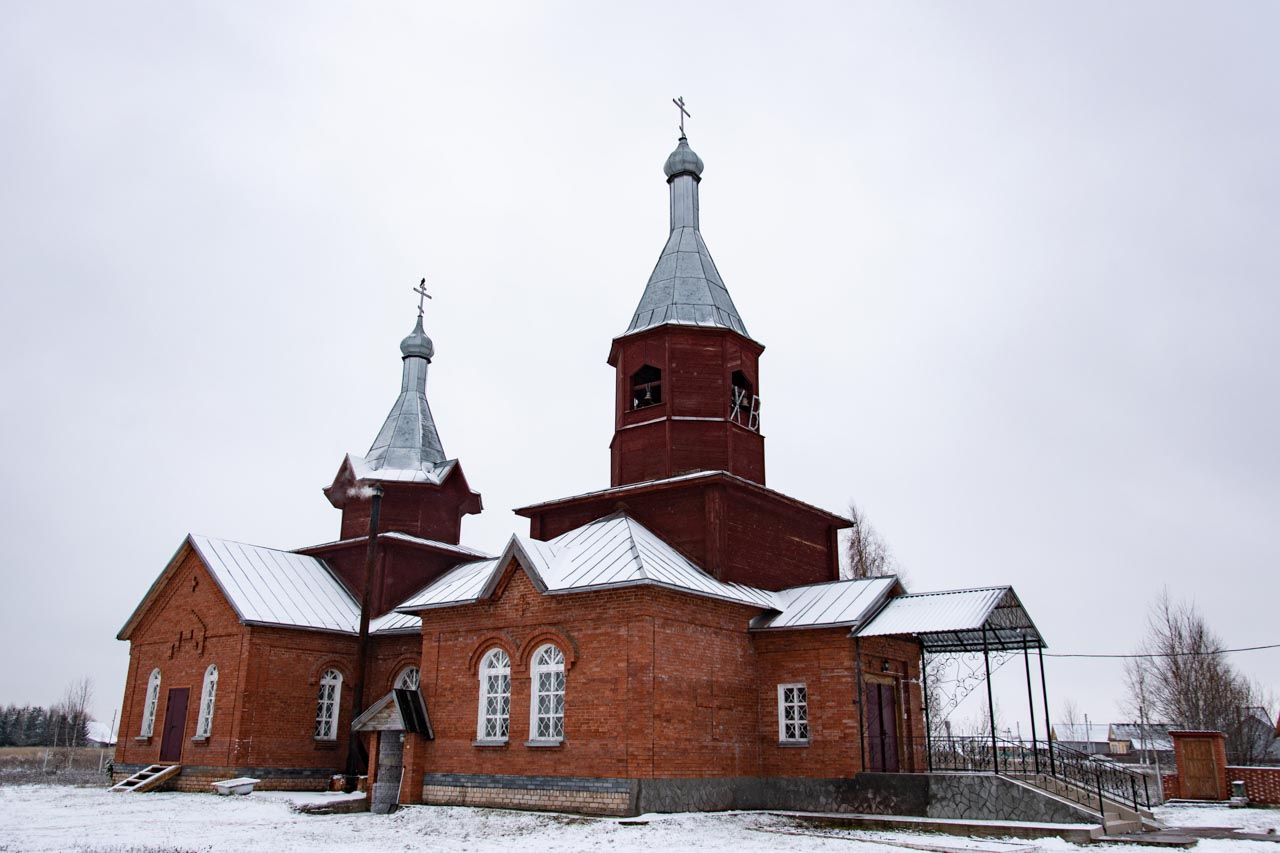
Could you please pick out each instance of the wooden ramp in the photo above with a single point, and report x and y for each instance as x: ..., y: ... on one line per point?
x: 147, y: 778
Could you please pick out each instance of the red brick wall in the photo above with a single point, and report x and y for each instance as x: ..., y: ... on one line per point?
x: 188, y: 627
x: 268, y: 679
x: 825, y: 662
x: 708, y: 708
x: 1261, y: 784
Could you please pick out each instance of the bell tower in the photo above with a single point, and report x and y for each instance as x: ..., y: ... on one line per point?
x: 687, y: 384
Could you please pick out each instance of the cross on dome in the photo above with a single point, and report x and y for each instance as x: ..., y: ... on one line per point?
x: 679, y: 102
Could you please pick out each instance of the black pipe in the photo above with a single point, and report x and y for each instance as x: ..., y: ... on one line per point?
x: 356, y: 750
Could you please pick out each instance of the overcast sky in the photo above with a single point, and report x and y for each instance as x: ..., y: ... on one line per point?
x: 1015, y: 265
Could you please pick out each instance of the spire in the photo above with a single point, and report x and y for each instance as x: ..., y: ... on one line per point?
x: 409, y: 440
x: 685, y: 287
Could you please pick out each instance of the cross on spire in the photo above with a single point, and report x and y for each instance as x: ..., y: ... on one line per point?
x: 421, y: 290
x: 679, y: 102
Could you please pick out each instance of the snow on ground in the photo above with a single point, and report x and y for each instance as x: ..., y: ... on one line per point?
x: 1209, y: 814
x: 35, y: 818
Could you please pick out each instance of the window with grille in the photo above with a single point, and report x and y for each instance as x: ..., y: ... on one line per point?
x: 408, y: 679
x: 204, y: 723
x: 495, y: 696
x: 793, y: 713
x: 327, y: 705
x: 546, y: 708
x: 153, y: 699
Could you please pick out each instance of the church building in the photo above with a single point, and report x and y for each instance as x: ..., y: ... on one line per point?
x: 679, y: 640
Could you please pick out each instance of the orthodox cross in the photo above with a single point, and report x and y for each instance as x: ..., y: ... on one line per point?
x: 679, y: 102
x: 421, y: 290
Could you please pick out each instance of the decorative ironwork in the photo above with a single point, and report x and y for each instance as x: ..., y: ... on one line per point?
x: 952, y: 677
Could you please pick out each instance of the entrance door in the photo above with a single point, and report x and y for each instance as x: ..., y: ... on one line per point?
x: 175, y: 723
x: 882, y: 728
x: 1201, y: 769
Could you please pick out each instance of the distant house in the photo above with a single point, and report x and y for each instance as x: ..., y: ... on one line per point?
x: 1253, y: 740
x: 1142, y: 741
x: 100, y: 735
x: 1091, y: 738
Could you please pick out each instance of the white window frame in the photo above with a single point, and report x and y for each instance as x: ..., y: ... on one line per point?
x: 548, y: 661
x: 329, y: 705
x: 149, y: 709
x: 410, y: 678
x: 787, y: 698
x: 495, y: 687
x: 208, y: 696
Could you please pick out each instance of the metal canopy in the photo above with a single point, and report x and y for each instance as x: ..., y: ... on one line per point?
x: 963, y: 620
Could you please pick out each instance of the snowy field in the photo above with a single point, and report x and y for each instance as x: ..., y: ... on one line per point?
x: 51, y: 818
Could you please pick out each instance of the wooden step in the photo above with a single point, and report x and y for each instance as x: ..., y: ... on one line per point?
x: 147, y: 778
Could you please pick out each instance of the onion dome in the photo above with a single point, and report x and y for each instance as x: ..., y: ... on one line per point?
x: 418, y: 344
x: 683, y: 161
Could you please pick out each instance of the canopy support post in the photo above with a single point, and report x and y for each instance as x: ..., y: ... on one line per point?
x: 861, y: 700
x: 1044, y: 693
x: 928, y: 729
x: 991, y: 704
x: 1031, y: 705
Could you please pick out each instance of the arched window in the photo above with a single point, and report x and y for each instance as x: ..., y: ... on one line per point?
x: 149, y: 709
x: 546, y: 707
x: 646, y: 387
x: 204, y: 723
x: 327, y: 706
x: 495, y: 696
x: 408, y: 679
x: 744, y: 405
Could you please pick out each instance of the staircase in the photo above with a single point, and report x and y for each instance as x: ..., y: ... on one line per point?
x: 1117, y: 818
x: 147, y: 778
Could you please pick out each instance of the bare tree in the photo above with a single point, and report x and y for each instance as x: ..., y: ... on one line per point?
x: 1070, y: 715
x: 1183, y: 678
x: 75, y: 706
x: 869, y: 556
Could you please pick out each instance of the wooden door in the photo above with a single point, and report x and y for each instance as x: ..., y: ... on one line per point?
x: 881, y: 705
x: 1201, y: 770
x: 175, y: 724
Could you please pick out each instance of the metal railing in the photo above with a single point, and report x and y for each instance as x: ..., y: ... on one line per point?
x: 1088, y: 779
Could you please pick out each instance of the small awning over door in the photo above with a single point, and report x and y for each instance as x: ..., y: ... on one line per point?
x: 963, y: 620
x: 398, y: 711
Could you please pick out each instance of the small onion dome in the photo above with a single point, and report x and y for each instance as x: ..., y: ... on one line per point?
x: 683, y: 161
x: 418, y: 343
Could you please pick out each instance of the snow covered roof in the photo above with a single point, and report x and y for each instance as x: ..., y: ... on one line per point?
x: 680, y: 478
x: 1082, y: 732
x: 958, y: 620
x: 609, y: 552
x: 434, y: 473
x: 1149, y: 736
x: 404, y: 537
x: 846, y: 602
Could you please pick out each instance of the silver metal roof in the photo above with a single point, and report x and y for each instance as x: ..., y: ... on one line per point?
x: 685, y: 287
x: 269, y: 587
x: 847, y: 602
x: 959, y: 620
x: 273, y: 587
x: 408, y: 440
x: 609, y: 552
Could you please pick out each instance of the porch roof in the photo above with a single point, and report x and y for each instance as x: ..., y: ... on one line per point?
x: 962, y: 620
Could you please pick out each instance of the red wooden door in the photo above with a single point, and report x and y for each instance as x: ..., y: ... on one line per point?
x: 882, y: 728
x: 175, y: 723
